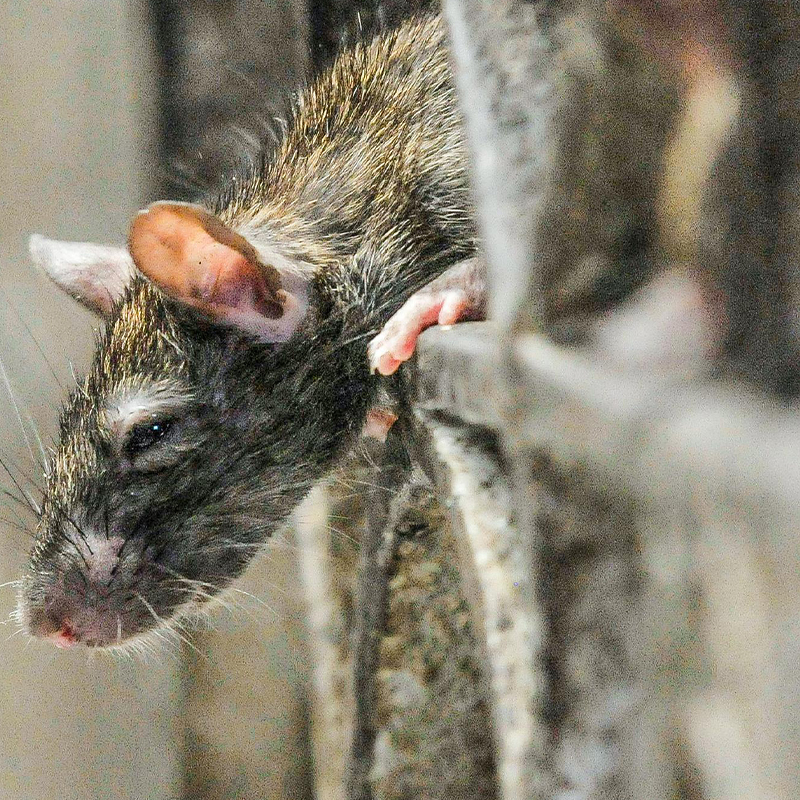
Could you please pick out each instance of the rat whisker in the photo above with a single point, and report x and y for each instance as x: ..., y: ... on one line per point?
x: 166, y: 627
x: 371, y: 485
x: 36, y: 342
x: 10, y: 391
x: 180, y: 624
x: 259, y: 600
x: 192, y: 581
x: 367, y: 456
x: 159, y: 635
x: 342, y: 535
x: 78, y: 529
x: 31, y: 503
x: 194, y: 592
x: 223, y: 545
x: 23, y: 473
x: 221, y: 598
x: 17, y: 526
x: 342, y: 517
x: 82, y: 557
x: 12, y: 496
x: 106, y: 526
x: 35, y: 429
x: 16, y: 633
x: 143, y: 649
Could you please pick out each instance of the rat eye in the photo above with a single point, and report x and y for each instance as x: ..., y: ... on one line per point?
x: 145, y: 435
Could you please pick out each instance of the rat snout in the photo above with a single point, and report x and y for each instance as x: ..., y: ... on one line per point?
x: 70, y: 614
x: 100, y: 591
x: 90, y: 597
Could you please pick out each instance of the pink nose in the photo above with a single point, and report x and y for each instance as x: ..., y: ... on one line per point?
x: 65, y: 637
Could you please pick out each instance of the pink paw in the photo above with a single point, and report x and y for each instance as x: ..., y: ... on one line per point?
x: 457, y: 294
x: 398, y: 339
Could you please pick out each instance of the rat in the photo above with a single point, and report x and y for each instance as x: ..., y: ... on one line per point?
x: 231, y: 372
x: 244, y: 337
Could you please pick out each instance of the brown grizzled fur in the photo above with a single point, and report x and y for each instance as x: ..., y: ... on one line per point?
x: 369, y: 188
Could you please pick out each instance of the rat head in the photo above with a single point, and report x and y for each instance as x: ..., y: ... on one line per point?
x: 159, y: 492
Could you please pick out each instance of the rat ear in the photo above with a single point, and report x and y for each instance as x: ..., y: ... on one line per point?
x: 196, y: 258
x: 94, y: 274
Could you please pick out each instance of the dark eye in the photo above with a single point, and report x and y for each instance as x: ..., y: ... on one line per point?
x: 145, y: 435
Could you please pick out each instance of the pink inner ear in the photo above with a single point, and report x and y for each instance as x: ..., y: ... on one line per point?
x: 227, y: 280
x: 178, y: 247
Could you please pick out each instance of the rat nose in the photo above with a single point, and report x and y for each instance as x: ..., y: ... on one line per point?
x: 64, y: 637
x: 76, y: 609
x: 67, y: 624
x: 80, y: 604
x: 53, y: 626
x: 101, y: 597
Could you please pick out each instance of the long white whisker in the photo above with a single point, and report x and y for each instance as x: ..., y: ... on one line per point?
x: 16, y: 409
x: 166, y: 627
x: 257, y: 599
x: 35, y: 430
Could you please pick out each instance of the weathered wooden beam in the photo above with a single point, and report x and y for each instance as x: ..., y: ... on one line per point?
x: 388, y: 499
x: 618, y: 419
x: 502, y: 69
x: 494, y: 566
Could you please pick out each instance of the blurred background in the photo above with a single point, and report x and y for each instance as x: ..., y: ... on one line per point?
x: 107, y: 105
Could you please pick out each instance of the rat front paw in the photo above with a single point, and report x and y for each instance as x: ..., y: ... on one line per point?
x: 457, y: 295
x: 398, y: 339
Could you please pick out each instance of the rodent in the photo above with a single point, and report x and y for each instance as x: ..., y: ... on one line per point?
x: 231, y: 371
x: 235, y: 374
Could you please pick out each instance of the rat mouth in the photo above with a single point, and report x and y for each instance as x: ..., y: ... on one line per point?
x: 67, y: 636
x: 70, y: 608
x: 68, y: 622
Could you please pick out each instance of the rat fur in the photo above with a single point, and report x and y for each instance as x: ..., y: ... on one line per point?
x: 190, y: 440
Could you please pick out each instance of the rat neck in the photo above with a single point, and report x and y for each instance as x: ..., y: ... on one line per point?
x: 304, y: 404
x: 299, y: 408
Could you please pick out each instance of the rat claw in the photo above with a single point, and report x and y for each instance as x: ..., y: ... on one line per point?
x: 384, y: 362
x: 398, y: 339
x: 453, y: 306
x: 457, y: 294
x: 374, y: 353
x: 377, y: 358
